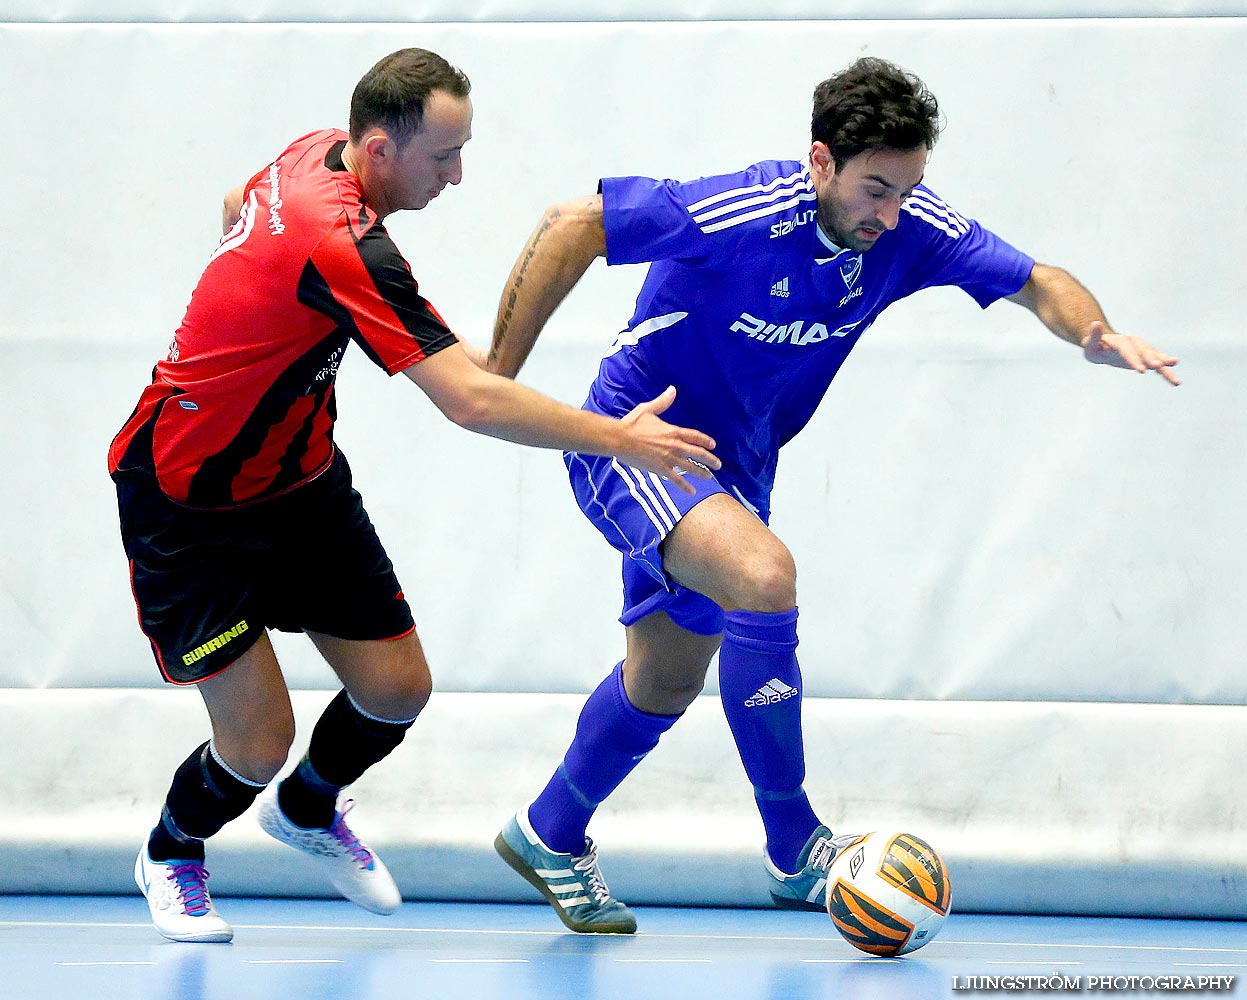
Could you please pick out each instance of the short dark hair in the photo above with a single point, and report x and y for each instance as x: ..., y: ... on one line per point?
x: 873, y: 104
x: 392, y: 94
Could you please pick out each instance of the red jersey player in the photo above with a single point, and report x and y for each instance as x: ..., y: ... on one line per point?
x: 237, y: 510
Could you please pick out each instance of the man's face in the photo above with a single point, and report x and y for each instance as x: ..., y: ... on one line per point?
x: 861, y: 200
x: 432, y: 157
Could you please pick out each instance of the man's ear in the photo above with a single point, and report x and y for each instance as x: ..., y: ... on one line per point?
x: 822, y: 166
x: 378, y: 147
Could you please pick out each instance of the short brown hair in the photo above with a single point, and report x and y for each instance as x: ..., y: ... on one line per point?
x: 392, y: 94
x: 873, y: 105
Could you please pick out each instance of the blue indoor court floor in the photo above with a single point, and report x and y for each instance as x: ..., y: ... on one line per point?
x: 63, y: 947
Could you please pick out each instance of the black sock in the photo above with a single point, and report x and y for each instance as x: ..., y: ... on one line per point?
x: 164, y: 844
x: 204, y: 796
x: 305, y: 799
x: 345, y: 743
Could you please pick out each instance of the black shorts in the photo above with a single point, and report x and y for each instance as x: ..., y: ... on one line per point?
x: 208, y: 582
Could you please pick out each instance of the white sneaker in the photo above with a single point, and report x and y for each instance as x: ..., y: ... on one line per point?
x: 177, y: 895
x: 353, y: 869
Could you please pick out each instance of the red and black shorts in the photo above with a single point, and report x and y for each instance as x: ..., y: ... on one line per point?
x: 207, y: 583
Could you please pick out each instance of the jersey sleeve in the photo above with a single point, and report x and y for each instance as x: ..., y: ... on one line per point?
x: 648, y: 220
x: 367, y: 287
x: 961, y: 252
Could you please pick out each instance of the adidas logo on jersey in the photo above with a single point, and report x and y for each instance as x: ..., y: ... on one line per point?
x: 780, y: 288
x: 771, y: 693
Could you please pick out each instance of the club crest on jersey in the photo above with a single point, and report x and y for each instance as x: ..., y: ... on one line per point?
x: 795, y: 333
x: 851, y: 271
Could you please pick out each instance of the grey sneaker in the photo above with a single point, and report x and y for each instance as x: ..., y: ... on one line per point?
x: 177, y: 895
x: 807, y: 889
x: 352, y: 868
x: 572, y: 885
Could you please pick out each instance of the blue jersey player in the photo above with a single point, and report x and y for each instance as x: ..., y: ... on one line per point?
x: 760, y: 284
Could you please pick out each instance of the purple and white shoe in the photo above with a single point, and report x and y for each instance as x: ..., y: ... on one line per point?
x: 177, y: 895
x: 353, y: 869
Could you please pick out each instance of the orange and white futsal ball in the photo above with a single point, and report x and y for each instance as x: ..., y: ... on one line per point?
x: 888, y: 893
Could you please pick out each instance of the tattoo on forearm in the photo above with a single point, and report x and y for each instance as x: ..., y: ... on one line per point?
x: 517, y: 279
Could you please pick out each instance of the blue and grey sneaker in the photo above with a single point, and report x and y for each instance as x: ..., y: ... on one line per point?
x: 807, y: 889
x: 571, y: 884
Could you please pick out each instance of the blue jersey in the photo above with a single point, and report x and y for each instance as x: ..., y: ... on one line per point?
x: 749, y: 309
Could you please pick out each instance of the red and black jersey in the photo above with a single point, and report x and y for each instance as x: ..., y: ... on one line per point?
x: 243, y: 407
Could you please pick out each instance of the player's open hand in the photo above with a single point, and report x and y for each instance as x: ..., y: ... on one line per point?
x: 671, y: 452
x: 1122, y: 351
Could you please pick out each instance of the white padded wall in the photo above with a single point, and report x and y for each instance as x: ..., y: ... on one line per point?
x: 580, y: 10
x: 1037, y: 808
x: 988, y: 530
x: 976, y: 513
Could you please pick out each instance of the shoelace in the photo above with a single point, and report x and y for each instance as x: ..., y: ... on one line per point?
x: 587, y: 864
x: 343, y: 835
x: 822, y: 854
x: 191, y: 881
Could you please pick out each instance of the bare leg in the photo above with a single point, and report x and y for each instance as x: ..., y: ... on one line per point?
x: 723, y: 551
x: 252, y: 722
x: 388, y: 678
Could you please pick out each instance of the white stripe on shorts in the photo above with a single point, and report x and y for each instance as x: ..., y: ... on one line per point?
x: 666, y: 497
x: 648, y: 503
x: 598, y: 500
x: 658, y: 494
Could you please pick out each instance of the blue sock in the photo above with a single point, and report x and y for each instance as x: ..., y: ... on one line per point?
x: 760, y: 686
x: 612, y: 737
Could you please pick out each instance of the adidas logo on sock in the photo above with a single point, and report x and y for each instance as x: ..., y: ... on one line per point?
x: 780, y: 288
x: 770, y: 693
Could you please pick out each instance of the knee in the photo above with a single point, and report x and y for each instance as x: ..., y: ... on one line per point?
x: 258, y: 750
x: 678, y: 694
x: 767, y: 585
x: 663, y: 692
x: 397, y: 693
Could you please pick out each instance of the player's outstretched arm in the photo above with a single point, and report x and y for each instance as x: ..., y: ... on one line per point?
x: 566, y: 241
x: 1071, y: 312
x: 489, y: 404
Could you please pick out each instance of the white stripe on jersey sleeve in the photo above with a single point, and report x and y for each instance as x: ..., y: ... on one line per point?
x: 925, y: 206
x: 737, y: 206
x: 918, y: 212
x: 759, y: 213
x: 939, y: 206
x: 738, y: 192
x: 241, y: 229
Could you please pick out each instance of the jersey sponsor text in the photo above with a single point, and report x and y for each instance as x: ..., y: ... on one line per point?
x: 794, y: 333
x: 275, y: 225
x: 788, y: 225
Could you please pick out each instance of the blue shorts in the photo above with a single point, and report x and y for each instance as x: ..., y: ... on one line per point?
x: 635, y: 511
